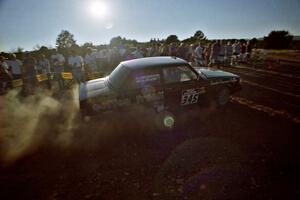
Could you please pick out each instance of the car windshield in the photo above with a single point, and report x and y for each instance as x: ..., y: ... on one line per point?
x: 118, y: 76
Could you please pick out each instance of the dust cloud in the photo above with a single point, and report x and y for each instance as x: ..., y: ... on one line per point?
x: 28, y: 123
x: 51, y: 120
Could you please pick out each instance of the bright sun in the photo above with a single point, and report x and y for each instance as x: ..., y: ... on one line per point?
x: 99, y: 9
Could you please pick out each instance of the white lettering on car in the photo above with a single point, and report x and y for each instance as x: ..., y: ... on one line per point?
x: 191, y: 96
x: 148, y: 78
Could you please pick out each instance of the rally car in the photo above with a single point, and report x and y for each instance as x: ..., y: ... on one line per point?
x: 160, y: 83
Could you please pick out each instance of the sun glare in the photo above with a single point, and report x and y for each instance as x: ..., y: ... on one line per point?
x: 99, y: 9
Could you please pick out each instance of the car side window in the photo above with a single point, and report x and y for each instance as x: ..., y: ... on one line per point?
x: 178, y: 74
x: 143, y: 78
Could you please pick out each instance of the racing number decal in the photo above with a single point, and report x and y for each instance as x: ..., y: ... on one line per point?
x: 190, y: 96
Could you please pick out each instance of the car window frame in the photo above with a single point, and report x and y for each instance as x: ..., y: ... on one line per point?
x: 172, y: 83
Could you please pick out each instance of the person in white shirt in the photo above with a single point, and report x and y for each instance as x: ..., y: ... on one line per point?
x: 76, y: 62
x: 5, y: 76
x: 199, y: 55
x: 137, y: 53
x: 15, y: 66
x: 58, y: 61
x: 44, y: 66
x: 122, y: 51
x: 4, y: 64
x: 221, y: 53
x: 90, y: 60
x: 102, y: 58
x: 236, y: 50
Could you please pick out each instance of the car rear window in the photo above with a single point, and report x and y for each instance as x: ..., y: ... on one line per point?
x: 118, y: 76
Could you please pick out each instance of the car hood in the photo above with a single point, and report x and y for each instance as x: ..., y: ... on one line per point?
x: 214, y: 73
x: 94, y: 88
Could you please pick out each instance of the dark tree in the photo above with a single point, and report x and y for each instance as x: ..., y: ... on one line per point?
x: 88, y: 44
x: 172, y: 39
x: 278, y: 40
x: 65, y: 40
x: 19, y: 50
x: 116, y: 41
x: 44, y: 50
x: 199, y: 35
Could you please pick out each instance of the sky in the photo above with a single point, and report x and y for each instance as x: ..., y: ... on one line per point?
x: 28, y: 23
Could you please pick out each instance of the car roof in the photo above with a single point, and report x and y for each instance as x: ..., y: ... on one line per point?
x: 149, y: 62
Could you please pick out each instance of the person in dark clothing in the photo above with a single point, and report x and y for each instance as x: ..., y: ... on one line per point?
x: 248, y: 51
x: 215, y: 51
x: 172, y: 49
x: 29, y: 74
x: 182, y: 51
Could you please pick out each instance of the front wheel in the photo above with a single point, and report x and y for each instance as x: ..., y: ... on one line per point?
x: 223, y: 96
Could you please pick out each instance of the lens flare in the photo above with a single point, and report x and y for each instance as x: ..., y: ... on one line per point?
x: 169, y: 121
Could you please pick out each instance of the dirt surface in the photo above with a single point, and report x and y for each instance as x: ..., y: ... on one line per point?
x: 249, y: 150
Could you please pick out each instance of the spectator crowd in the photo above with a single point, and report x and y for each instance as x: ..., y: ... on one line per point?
x: 105, y: 59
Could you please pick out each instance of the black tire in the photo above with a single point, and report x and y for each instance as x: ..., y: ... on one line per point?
x: 223, y: 96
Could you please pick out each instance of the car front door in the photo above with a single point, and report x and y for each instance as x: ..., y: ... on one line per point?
x: 144, y: 87
x: 182, y: 89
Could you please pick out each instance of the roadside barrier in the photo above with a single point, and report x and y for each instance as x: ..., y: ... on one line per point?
x: 65, y: 75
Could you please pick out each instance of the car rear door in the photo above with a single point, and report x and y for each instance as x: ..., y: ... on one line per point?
x: 182, y: 89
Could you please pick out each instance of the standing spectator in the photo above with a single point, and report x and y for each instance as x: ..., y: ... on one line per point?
x: 214, y: 54
x: 236, y: 50
x: 248, y: 51
x: 144, y: 51
x: 198, y: 55
x: 76, y: 62
x: 5, y: 76
x: 221, y: 53
x: 163, y: 50
x: 110, y: 53
x: 90, y: 61
x: 228, y: 53
x: 137, y: 53
x: 182, y: 51
x: 206, y: 52
x: 15, y: 66
x: 151, y: 51
x: 243, y: 52
x: 190, y: 52
x: 44, y: 65
x: 115, y: 58
x: 172, y: 49
x: 4, y: 64
x: 122, y: 51
x: 58, y: 61
x: 29, y: 74
x: 102, y: 58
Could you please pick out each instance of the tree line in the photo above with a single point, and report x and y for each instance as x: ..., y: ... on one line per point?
x: 65, y: 41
